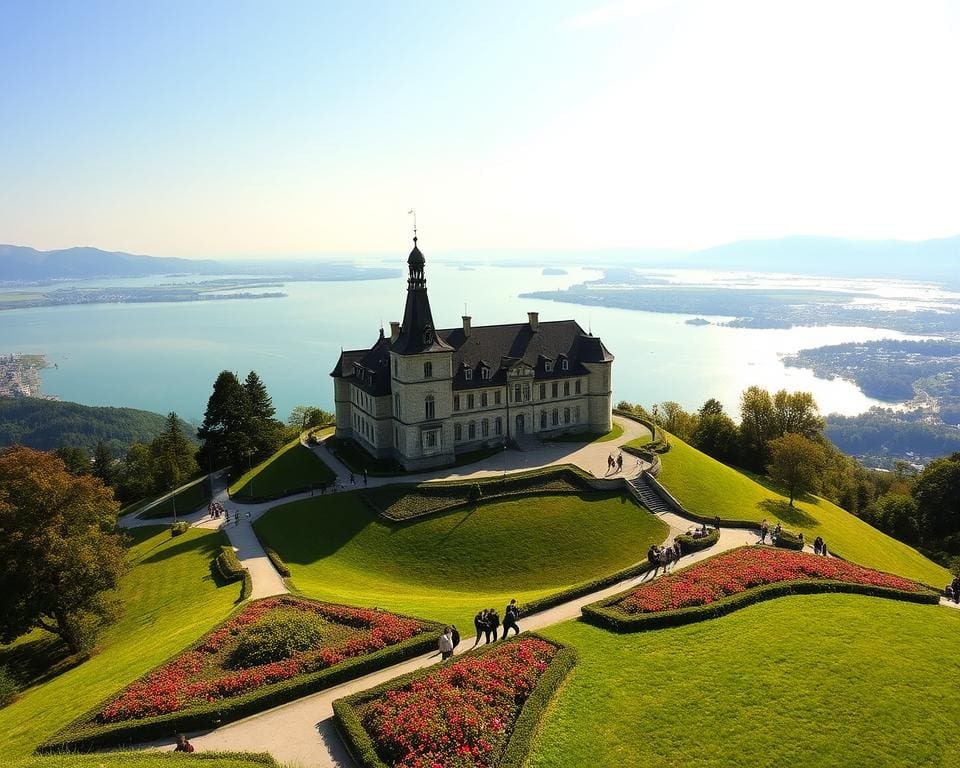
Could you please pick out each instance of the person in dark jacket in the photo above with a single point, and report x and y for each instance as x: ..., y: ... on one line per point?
x: 493, y: 625
x: 480, y: 624
x: 510, y: 616
x: 182, y: 744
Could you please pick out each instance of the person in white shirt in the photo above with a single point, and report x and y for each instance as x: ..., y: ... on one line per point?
x: 446, y: 644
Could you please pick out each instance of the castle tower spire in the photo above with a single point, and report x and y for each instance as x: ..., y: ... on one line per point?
x: 417, y: 332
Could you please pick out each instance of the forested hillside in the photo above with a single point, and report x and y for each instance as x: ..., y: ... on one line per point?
x: 49, y: 424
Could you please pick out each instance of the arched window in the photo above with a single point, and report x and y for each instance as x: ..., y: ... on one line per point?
x: 556, y: 417
x: 428, y: 370
x: 472, y: 430
x: 429, y: 407
x: 543, y: 419
x: 457, y: 432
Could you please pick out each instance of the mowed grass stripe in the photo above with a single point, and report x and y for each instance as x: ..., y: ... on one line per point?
x: 293, y: 466
x: 449, y: 566
x: 807, y: 681
x: 707, y: 487
x: 169, y: 600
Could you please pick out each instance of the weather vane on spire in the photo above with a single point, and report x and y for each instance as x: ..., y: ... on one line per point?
x: 413, y: 212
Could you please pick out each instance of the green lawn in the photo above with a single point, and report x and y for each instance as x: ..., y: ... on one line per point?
x: 293, y: 466
x: 187, y: 500
x: 823, y: 680
x: 707, y: 487
x: 169, y: 599
x: 613, y: 434
x: 448, y: 566
x: 148, y: 760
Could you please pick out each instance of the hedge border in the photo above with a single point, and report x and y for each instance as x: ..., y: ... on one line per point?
x: 228, y: 564
x: 361, y: 746
x: 601, y: 613
x: 82, y: 735
x: 789, y: 540
x: 576, y: 477
x: 690, y: 544
x: 278, y: 563
x: 579, y: 590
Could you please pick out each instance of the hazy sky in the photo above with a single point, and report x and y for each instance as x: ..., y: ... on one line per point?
x: 231, y: 128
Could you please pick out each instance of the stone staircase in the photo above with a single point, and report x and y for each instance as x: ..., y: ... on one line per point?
x: 643, y: 493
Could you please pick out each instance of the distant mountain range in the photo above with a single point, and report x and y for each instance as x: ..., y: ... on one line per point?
x: 19, y: 263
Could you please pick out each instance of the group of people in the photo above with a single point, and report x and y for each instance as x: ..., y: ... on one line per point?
x: 487, y: 622
x: 217, y: 510
x: 663, y: 556
x: 952, y: 590
x: 819, y: 546
x: 615, y: 463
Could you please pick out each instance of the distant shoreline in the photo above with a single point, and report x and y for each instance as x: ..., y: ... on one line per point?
x: 20, y: 375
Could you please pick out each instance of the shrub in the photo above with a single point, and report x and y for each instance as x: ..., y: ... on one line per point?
x: 789, y: 540
x: 179, y: 528
x: 276, y: 637
x: 689, y: 544
x: 476, y: 493
x: 8, y: 687
x: 278, y: 562
x: 228, y: 564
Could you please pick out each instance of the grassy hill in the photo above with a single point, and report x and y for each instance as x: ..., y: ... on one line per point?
x: 707, y: 487
x: 293, y: 466
x: 169, y: 599
x: 804, y: 681
x: 48, y: 424
x: 449, y: 566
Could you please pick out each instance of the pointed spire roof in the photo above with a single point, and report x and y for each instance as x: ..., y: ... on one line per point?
x: 417, y: 331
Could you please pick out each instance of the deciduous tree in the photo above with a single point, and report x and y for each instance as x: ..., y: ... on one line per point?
x: 60, y: 553
x: 795, y: 461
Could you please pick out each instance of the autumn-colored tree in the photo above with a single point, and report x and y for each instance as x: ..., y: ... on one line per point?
x: 61, y: 557
x: 795, y: 461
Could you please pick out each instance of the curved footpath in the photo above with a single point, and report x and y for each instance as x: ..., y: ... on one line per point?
x: 302, y: 732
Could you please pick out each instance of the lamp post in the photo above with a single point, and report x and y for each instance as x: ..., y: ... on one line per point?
x: 250, y: 469
x: 504, y: 461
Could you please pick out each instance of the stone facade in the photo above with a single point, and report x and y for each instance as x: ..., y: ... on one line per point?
x: 421, y: 396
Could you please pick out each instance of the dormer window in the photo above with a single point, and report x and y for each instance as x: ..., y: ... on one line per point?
x: 468, y: 374
x: 564, y: 365
x: 548, y: 366
x: 484, y: 373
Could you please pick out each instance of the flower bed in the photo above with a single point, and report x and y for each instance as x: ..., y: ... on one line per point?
x: 479, y: 711
x: 272, y: 650
x: 742, y: 576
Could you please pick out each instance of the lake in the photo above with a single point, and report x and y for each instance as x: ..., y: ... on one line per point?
x: 165, y: 356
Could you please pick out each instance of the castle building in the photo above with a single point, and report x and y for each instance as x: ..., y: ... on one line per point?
x: 423, y: 395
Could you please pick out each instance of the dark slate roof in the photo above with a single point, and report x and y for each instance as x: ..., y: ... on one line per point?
x: 373, y: 375
x: 504, y: 346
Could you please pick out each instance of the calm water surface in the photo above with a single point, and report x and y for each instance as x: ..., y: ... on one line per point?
x: 165, y: 357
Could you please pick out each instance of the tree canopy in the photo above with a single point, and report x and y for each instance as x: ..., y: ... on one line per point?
x: 60, y: 553
x: 795, y: 461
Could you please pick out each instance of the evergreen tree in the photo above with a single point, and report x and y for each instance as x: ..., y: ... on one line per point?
x: 174, y: 455
x: 260, y: 402
x: 264, y: 433
x: 226, y: 423
x: 137, y: 476
x: 75, y: 458
x: 103, y: 462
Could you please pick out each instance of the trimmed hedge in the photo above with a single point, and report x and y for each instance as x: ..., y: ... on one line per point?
x: 789, y: 540
x: 689, y: 544
x: 178, y: 529
x: 586, y: 588
x: 228, y: 564
x: 278, y: 563
x: 602, y: 614
x: 364, y: 752
x: 400, y: 503
x: 246, y: 587
x: 84, y: 734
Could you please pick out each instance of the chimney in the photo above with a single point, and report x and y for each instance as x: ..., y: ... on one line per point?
x: 534, y: 318
x: 466, y: 326
x: 394, y: 331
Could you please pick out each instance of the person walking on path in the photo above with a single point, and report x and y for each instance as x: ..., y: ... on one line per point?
x: 445, y: 644
x: 817, y: 545
x: 620, y: 462
x: 493, y: 625
x: 182, y: 744
x: 364, y: 477
x: 716, y: 522
x: 764, y: 528
x: 480, y: 624
x: 510, y: 616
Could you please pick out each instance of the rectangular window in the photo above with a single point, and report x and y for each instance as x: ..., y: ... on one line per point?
x: 498, y: 426
x: 555, y: 417
x: 553, y: 390
x: 566, y: 415
x: 428, y: 370
x: 485, y: 428
x: 484, y: 373
x: 457, y: 432
x: 470, y: 402
x: 468, y: 374
x: 516, y: 393
x: 526, y: 392
x: 566, y: 389
x: 543, y: 419
x: 565, y: 365
x: 456, y: 402
x: 548, y: 367
x: 496, y: 397
x: 543, y: 391
x: 431, y: 439
x: 576, y: 386
x: 576, y: 414
x: 429, y: 408
x: 483, y: 399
